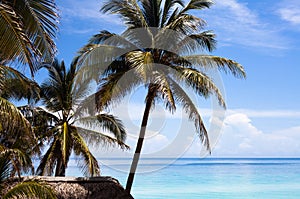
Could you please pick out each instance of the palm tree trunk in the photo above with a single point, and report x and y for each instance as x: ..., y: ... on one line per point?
x: 139, y: 145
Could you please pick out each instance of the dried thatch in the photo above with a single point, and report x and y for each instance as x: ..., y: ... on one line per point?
x: 82, y: 187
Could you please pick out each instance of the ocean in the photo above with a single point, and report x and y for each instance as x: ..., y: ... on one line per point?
x: 224, y: 178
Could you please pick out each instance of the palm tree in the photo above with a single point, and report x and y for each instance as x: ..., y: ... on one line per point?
x: 13, y: 125
x: 24, y: 189
x: 66, y: 126
x: 17, y: 138
x: 27, y: 30
x: 164, y: 48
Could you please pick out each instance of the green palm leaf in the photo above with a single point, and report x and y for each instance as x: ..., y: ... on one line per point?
x: 201, y: 83
x: 192, y: 111
x: 30, y: 189
x: 49, y: 159
x: 67, y: 103
x: 130, y: 12
x: 16, y: 44
x: 209, y: 61
x: 89, y: 165
x: 20, y: 160
x: 27, y: 30
x: 166, y: 36
x: 14, y: 84
x: 105, y: 122
x: 12, y: 121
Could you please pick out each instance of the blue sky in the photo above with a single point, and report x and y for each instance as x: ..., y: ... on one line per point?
x: 263, y: 114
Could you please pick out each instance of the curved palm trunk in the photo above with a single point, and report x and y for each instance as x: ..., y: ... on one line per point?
x: 139, y: 145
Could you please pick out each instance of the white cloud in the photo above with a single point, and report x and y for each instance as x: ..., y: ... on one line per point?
x: 239, y: 10
x: 134, y: 112
x: 290, y: 11
x: 291, y: 15
x: 86, y: 9
x: 241, y: 138
x: 266, y: 113
x: 87, y: 12
x: 236, y: 23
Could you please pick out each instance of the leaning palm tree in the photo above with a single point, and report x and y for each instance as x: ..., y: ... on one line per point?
x: 164, y: 48
x: 67, y: 127
x: 27, y: 30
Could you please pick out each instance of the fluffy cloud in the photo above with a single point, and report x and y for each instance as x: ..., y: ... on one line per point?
x: 290, y: 11
x: 241, y: 138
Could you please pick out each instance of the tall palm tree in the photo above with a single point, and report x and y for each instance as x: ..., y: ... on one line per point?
x: 164, y: 48
x: 27, y: 30
x: 67, y: 127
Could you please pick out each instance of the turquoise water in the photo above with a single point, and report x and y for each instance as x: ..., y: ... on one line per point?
x: 210, y: 178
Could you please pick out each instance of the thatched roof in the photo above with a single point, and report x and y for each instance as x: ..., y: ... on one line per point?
x: 83, y: 187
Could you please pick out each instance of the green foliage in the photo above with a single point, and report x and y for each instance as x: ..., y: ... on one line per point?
x: 27, y: 30
x: 30, y: 189
x: 166, y: 49
x: 171, y: 63
x: 15, y: 159
x: 67, y: 130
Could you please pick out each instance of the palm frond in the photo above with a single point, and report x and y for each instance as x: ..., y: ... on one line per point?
x: 139, y: 37
x: 30, y: 189
x: 28, y: 29
x: 94, y: 138
x: 49, y: 159
x: 41, y: 25
x: 94, y: 59
x: 15, y: 43
x: 196, y: 5
x: 151, y: 12
x: 209, y: 61
x: 13, y: 124
x: 20, y: 160
x: 38, y: 116
x: 5, y: 169
x: 105, y: 122
x: 115, y: 87
x: 200, y: 82
x: 56, y: 91
x: 89, y: 164
x: 130, y: 12
x: 192, y: 111
x: 161, y: 85
x: 14, y: 84
x: 111, y: 39
x: 142, y: 63
x: 167, y: 9
x: 185, y: 24
x: 191, y: 43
